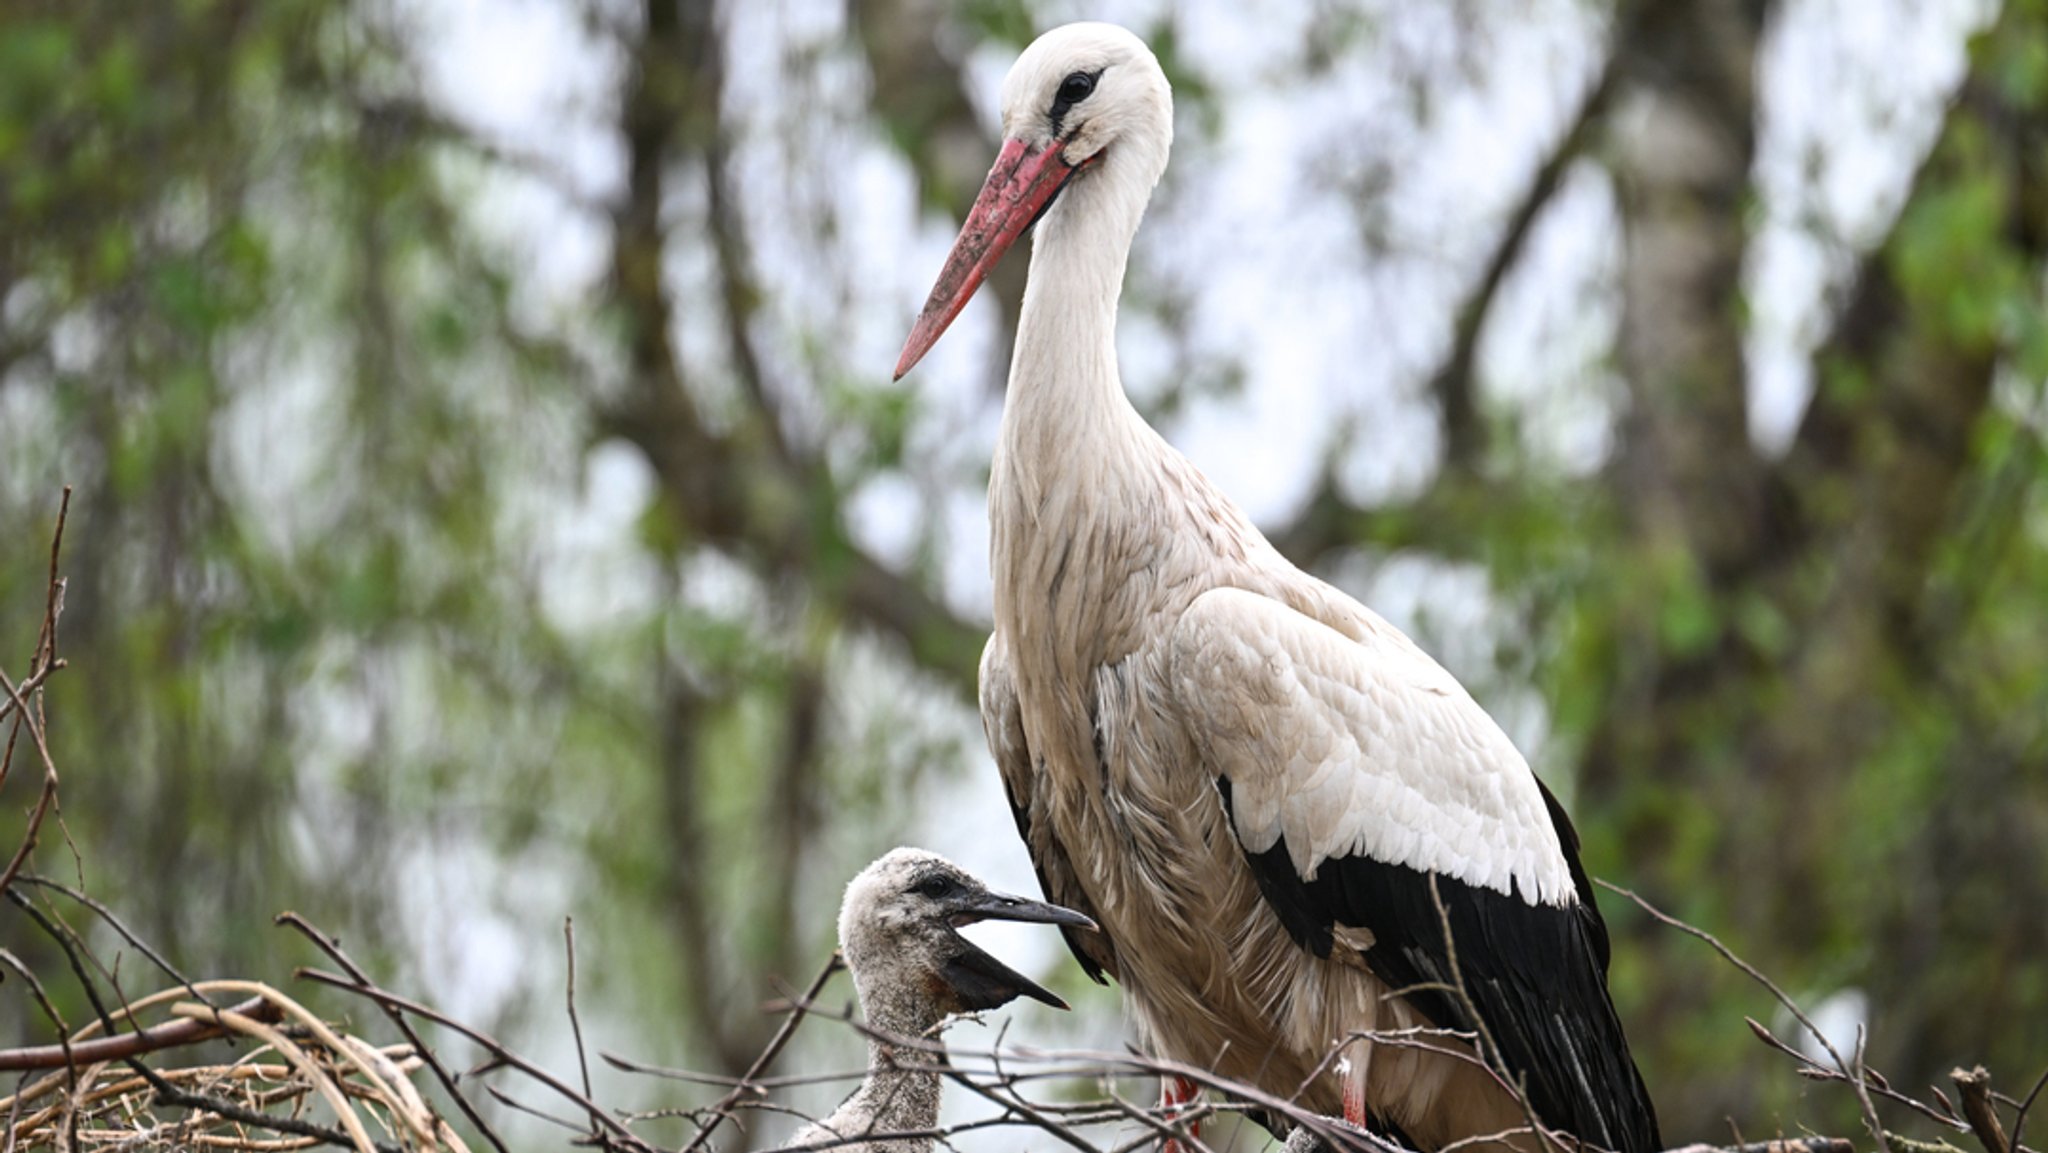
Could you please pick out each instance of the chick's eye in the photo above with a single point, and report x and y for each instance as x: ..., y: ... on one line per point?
x: 1076, y: 88
x: 934, y: 887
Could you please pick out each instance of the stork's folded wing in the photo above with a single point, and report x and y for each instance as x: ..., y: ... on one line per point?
x: 1358, y: 748
x: 1368, y: 790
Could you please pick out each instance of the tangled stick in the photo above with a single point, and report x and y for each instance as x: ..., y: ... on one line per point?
x: 297, y: 1056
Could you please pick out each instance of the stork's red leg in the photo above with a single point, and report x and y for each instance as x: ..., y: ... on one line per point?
x: 1354, y: 1100
x: 1354, y: 1071
x: 1175, y: 1092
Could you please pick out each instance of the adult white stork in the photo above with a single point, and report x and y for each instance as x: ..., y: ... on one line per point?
x: 898, y: 931
x: 1255, y: 785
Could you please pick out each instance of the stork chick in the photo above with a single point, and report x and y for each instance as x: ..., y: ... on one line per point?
x: 899, y: 934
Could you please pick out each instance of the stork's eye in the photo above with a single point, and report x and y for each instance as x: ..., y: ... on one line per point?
x: 935, y: 886
x: 1075, y: 88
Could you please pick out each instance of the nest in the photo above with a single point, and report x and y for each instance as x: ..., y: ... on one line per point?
x: 265, y: 1100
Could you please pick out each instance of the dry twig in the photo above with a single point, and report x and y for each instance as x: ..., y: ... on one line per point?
x: 798, y: 1007
x: 1852, y: 1072
x: 449, y: 1082
x: 500, y: 1054
x: 1974, y: 1086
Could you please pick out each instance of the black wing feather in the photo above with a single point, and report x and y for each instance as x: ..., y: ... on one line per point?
x: 1536, y: 974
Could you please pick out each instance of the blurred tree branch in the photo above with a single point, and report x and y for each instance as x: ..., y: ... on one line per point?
x: 919, y: 96
x: 1454, y: 383
x: 747, y: 489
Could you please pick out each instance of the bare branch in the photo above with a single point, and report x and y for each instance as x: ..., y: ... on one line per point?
x: 499, y: 1053
x: 1853, y: 1073
x: 576, y: 1024
x: 2019, y: 1121
x: 42, y: 998
x: 798, y: 1007
x: 1816, y: 1072
x: 120, y: 927
x: 1014, y: 1104
x: 669, y: 107
x: 1975, y: 1087
x: 334, y: 951
x: 1454, y: 383
x: 41, y: 665
x: 169, y: 1035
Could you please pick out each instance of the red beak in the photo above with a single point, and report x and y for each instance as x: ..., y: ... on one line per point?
x: 1018, y: 188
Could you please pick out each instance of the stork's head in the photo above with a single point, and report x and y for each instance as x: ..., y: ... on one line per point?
x: 1086, y: 105
x: 899, y: 931
x: 1080, y: 90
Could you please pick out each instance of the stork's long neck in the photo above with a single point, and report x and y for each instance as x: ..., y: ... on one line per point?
x: 1080, y: 479
x: 1065, y: 395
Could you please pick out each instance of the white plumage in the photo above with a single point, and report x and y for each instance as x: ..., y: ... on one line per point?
x: 1257, y: 787
x: 1358, y: 745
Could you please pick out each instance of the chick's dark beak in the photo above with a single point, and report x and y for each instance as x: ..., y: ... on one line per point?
x: 989, y: 906
x: 981, y: 981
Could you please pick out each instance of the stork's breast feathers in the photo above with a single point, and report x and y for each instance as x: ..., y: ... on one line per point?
x: 1357, y: 747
